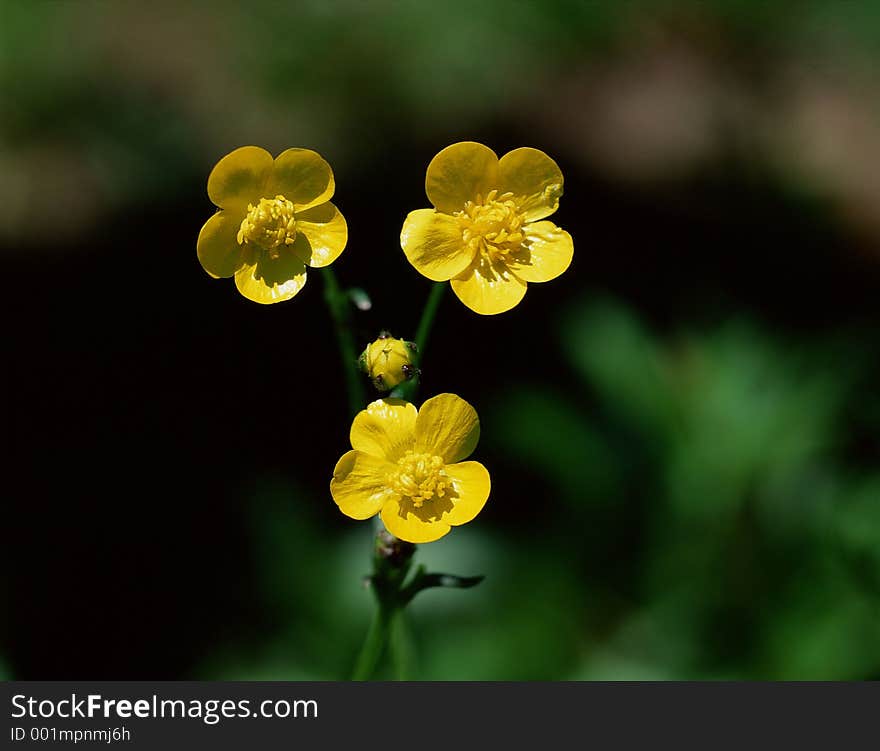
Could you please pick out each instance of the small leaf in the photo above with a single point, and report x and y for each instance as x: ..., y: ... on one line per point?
x: 450, y: 580
x: 421, y: 581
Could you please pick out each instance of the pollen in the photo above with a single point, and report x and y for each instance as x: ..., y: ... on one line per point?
x: 492, y: 227
x: 269, y: 224
x: 419, y: 477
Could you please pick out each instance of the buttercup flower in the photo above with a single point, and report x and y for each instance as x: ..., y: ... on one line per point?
x: 484, y: 233
x: 275, y: 219
x: 407, y: 465
x: 388, y: 361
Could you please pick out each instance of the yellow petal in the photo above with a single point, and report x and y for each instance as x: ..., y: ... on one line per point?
x: 358, y: 484
x: 303, y: 177
x: 472, y: 485
x: 488, y: 289
x: 407, y: 526
x: 217, y: 247
x: 545, y: 254
x: 447, y: 426
x: 271, y: 280
x: 239, y: 177
x: 324, y: 233
x: 385, y: 429
x: 534, y: 179
x: 432, y: 243
x: 459, y: 174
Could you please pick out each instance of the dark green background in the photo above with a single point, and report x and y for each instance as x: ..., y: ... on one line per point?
x: 682, y: 430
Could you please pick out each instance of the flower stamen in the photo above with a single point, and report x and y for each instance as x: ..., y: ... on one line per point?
x: 419, y: 477
x: 268, y: 225
x: 492, y: 226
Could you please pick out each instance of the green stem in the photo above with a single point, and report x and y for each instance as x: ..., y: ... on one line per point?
x: 337, y: 303
x: 393, y: 585
x: 374, y: 644
x: 408, y: 389
x: 423, y: 332
x: 401, y: 646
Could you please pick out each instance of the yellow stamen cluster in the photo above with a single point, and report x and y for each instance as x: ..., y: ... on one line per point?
x: 269, y: 224
x: 419, y: 477
x: 492, y: 228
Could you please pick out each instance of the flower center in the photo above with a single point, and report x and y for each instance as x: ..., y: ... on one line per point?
x: 492, y: 227
x: 269, y: 224
x: 419, y: 477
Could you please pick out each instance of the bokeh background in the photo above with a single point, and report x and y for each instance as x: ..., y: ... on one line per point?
x: 683, y: 430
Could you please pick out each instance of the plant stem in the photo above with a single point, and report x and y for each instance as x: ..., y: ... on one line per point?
x: 337, y: 303
x: 374, y: 644
x: 408, y: 389
x: 401, y: 646
x: 423, y: 332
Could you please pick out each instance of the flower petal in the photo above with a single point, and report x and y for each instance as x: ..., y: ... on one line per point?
x: 325, y: 233
x: 239, y: 177
x: 271, y: 280
x: 488, y: 289
x: 303, y: 177
x: 545, y: 254
x: 432, y: 243
x: 358, y: 484
x: 534, y: 179
x: 385, y: 429
x: 217, y: 247
x: 447, y: 426
x: 407, y: 526
x: 472, y: 485
x: 459, y: 173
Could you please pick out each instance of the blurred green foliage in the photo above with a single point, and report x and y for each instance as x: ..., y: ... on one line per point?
x: 729, y: 444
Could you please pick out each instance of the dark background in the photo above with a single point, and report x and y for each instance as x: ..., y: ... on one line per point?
x: 682, y: 430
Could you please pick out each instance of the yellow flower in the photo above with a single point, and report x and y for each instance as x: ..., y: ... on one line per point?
x: 275, y: 218
x: 407, y: 465
x: 484, y: 233
x: 388, y: 361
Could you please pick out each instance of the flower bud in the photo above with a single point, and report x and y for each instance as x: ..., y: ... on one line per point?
x: 388, y: 361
